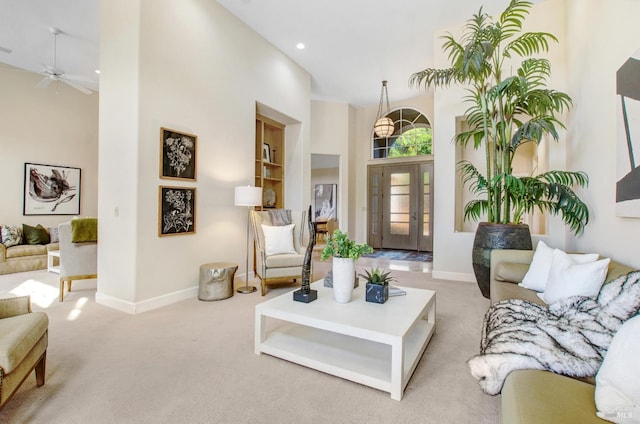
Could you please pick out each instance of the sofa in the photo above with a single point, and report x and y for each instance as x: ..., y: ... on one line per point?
x: 23, y: 345
x: 25, y: 248
x: 24, y: 257
x: 534, y: 396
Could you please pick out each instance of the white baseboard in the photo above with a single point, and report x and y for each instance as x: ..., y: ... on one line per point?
x: 457, y: 276
x: 147, y: 304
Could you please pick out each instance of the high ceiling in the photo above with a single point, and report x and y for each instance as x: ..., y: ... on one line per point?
x: 351, y: 45
x: 25, y: 29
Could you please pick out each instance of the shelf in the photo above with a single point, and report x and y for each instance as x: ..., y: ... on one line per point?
x: 354, y: 359
x: 272, y: 164
x: 270, y: 175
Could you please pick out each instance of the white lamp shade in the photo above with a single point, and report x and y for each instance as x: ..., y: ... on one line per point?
x: 248, y: 196
x: 384, y: 127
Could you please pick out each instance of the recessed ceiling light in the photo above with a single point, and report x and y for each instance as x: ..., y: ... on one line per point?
x: 300, y: 46
x: 98, y: 71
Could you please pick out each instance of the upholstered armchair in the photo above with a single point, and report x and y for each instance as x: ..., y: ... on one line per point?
x: 23, y: 345
x: 78, y: 260
x: 280, y: 250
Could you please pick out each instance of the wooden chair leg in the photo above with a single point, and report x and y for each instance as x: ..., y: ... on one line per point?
x: 263, y: 287
x: 69, y: 285
x: 41, y: 368
x: 61, y: 296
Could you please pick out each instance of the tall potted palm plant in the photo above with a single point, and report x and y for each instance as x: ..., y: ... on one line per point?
x: 504, y: 113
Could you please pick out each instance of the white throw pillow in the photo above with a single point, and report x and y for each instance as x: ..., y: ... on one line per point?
x: 278, y: 239
x: 538, y: 274
x: 11, y: 235
x: 618, y: 380
x: 568, y: 278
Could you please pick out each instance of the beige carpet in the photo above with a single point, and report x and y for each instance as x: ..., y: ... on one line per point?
x: 193, y: 362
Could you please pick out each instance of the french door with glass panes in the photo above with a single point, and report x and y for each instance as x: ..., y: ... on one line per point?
x: 400, y: 206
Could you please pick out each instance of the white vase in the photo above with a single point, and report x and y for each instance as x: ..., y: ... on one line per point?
x: 343, y: 279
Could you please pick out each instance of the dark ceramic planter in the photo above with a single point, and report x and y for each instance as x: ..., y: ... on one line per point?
x: 491, y: 236
x: 377, y: 293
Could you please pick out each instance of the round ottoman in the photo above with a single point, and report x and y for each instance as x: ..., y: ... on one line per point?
x: 216, y: 280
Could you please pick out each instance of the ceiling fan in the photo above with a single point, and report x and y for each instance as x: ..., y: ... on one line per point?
x: 52, y: 73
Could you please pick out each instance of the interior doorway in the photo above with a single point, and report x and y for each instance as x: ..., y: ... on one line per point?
x: 400, y: 206
x: 325, y: 178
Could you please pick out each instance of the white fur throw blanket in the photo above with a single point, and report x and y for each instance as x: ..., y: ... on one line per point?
x: 570, y: 337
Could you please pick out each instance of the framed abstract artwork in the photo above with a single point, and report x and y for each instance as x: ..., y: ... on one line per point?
x: 51, y: 190
x: 628, y: 139
x: 176, y: 211
x: 326, y: 201
x: 177, y: 155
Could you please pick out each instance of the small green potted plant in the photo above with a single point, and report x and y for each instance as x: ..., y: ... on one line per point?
x: 377, y: 285
x: 345, y: 253
x: 340, y: 246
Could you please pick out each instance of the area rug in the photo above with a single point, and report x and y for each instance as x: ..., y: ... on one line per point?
x: 401, y: 255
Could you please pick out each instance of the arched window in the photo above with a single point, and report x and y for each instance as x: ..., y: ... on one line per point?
x: 411, y: 136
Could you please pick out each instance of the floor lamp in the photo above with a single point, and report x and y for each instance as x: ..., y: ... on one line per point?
x: 248, y: 196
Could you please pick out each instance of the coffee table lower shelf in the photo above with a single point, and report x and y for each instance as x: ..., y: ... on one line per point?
x: 356, y: 359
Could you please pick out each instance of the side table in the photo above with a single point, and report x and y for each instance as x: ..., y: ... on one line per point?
x: 216, y: 280
x: 51, y: 266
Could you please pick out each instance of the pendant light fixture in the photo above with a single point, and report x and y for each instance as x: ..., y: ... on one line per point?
x: 384, y: 126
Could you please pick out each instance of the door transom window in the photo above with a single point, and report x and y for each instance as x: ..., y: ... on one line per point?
x: 411, y: 136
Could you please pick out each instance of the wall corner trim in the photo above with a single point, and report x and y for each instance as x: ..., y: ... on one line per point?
x: 147, y: 304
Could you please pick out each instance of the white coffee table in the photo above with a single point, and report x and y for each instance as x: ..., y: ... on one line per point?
x: 378, y: 345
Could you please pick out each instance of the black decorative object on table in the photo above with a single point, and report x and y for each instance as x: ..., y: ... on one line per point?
x: 306, y: 294
x: 377, y: 285
x: 377, y: 293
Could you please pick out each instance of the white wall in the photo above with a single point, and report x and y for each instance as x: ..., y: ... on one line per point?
x: 189, y: 66
x: 118, y: 149
x: 331, y: 134
x: 57, y: 125
x: 601, y: 35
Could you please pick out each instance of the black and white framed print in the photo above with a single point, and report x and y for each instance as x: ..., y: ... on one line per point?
x: 176, y: 210
x: 628, y: 139
x: 326, y: 202
x: 177, y: 155
x: 51, y: 190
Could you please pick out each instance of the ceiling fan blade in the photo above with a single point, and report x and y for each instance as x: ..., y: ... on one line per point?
x: 77, y: 87
x: 44, y: 82
x: 10, y: 68
x: 77, y: 78
x: 5, y: 50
